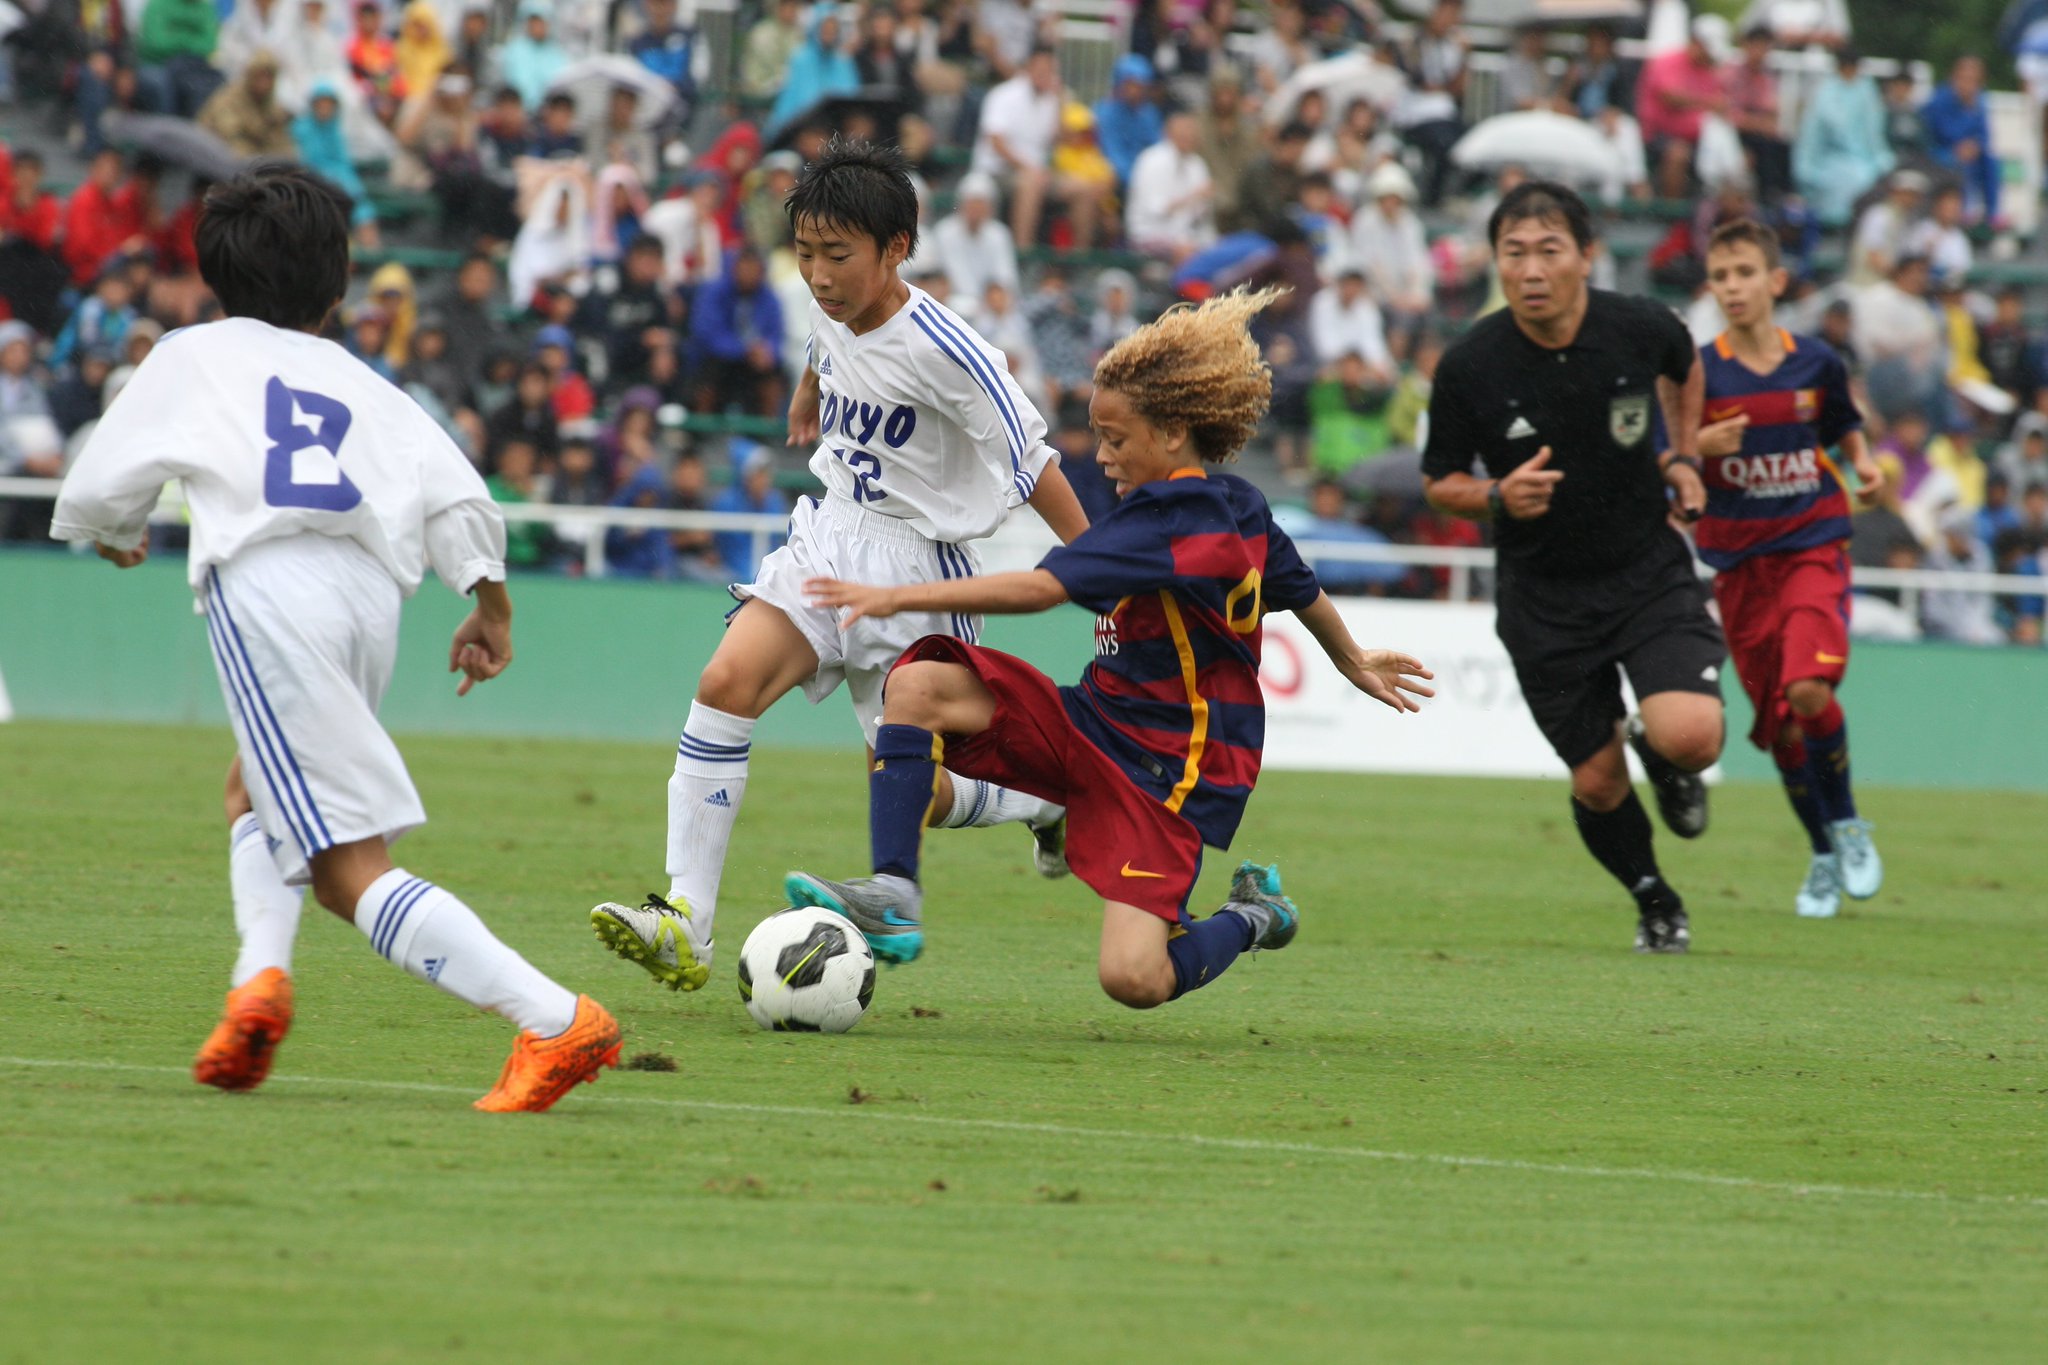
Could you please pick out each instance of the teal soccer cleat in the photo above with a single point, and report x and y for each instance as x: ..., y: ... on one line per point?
x: 1256, y: 895
x: 887, y: 909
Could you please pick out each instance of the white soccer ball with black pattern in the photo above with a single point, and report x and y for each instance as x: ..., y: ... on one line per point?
x: 806, y: 971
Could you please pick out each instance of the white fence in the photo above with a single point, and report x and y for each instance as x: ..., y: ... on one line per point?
x: 1019, y: 544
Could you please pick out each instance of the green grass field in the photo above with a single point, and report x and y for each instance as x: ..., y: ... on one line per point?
x: 1457, y: 1121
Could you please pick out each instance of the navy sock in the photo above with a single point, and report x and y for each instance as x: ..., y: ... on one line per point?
x: 900, y: 788
x: 1207, y: 949
x: 1795, y: 770
x: 1827, y: 749
x: 1619, y: 839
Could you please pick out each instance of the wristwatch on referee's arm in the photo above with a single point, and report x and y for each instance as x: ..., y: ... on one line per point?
x: 1670, y: 458
x: 1496, y: 502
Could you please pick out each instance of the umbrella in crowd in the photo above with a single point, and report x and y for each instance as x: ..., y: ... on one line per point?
x: 1543, y: 142
x: 1340, y: 80
x: 884, y: 104
x: 591, y: 81
x: 179, y: 142
x: 1553, y: 13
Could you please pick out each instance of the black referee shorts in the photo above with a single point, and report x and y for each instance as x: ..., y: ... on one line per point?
x: 1571, y: 638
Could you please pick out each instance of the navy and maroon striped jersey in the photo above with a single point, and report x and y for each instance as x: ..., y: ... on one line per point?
x: 1781, y: 491
x: 1179, y: 576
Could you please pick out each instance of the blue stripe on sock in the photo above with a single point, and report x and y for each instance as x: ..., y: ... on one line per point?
x: 384, y: 912
x: 326, y: 840
x: 259, y: 739
x: 396, y: 907
x: 981, y: 790
x: 703, y: 747
x: 712, y: 753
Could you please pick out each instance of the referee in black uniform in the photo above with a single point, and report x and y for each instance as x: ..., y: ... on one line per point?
x: 1554, y: 397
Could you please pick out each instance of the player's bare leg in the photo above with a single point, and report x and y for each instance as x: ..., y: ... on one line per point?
x: 761, y: 658
x: 1616, y: 830
x: 1678, y: 735
x: 238, y: 1053
x: 1146, y: 962
x: 564, y: 1039
x: 1824, y: 735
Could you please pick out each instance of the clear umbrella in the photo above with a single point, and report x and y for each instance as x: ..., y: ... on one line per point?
x: 592, y: 80
x: 1543, y: 142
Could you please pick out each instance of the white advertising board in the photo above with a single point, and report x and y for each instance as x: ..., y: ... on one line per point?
x: 1477, y: 724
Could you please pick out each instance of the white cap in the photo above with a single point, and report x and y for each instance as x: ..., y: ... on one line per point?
x: 1713, y: 32
x: 978, y: 185
x: 1391, y: 178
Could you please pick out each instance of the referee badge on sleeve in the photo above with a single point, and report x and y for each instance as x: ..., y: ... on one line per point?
x: 1628, y: 419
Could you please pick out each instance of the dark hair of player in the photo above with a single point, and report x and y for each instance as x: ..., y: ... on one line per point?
x: 860, y: 187
x: 273, y: 245
x: 1545, y: 201
x: 1747, y: 231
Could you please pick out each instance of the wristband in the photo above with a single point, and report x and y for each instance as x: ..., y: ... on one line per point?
x: 1694, y: 461
x: 1496, y: 502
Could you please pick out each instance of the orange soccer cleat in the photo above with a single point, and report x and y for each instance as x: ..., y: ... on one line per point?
x: 542, y: 1070
x: 237, y: 1054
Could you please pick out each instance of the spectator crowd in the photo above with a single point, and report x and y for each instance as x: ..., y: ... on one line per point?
x: 573, y: 253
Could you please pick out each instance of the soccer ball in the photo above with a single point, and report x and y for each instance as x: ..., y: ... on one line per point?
x: 806, y: 971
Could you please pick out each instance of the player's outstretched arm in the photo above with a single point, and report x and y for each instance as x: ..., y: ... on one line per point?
x: 482, y: 648
x: 1054, y: 500
x: 1382, y: 674
x: 1002, y: 594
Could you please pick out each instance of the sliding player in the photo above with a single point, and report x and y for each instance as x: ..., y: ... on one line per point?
x: 1157, y: 750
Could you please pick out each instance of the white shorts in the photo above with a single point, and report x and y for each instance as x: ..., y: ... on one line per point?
x: 304, y: 633
x: 837, y: 538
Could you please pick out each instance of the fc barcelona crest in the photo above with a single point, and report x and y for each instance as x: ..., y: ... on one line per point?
x: 1628, y: 419
x: 1805, y: 405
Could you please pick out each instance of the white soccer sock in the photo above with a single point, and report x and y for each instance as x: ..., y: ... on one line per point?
x: 977, y: 804
x: 266, y: 910
x: 703, y: 806
x: 440, y: 940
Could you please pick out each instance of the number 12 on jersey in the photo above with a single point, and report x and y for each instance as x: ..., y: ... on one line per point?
x: 867, y: 474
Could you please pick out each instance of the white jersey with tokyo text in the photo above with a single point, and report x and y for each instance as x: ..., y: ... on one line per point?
x: 275, y: 434
x: 921, y: 421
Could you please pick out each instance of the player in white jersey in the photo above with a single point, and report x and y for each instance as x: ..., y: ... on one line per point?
x: 924, y: 443
x: 318, y: 491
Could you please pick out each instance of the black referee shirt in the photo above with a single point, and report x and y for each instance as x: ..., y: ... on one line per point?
x: 1499, y: 398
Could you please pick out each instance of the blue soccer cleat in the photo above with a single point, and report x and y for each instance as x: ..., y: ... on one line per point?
x: 1255, y: 894
x: 887, y: 909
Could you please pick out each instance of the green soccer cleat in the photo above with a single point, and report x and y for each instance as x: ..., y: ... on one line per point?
x: 1255, y: 894
x: 657, y: 936
x: 887, y: 909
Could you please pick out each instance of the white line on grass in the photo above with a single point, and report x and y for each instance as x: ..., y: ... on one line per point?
x: 1123, y: 1135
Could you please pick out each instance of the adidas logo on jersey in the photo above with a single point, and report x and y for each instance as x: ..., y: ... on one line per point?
x: 825, y: 365
x: 719, y: 799
x: 433, y: 966
x: 1519, y: 428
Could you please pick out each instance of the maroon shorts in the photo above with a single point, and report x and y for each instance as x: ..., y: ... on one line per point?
x: 1786, y: 617
x: 1120, y: 841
